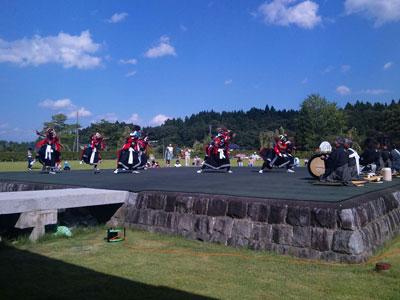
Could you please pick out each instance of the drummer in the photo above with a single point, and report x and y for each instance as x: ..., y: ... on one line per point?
x: 340, y: 159
x: 354, y: 159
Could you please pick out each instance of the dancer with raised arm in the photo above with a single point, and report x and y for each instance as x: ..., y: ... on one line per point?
x: 49, y: 150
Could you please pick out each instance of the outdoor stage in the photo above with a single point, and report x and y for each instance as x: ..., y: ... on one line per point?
x: 277, y: 211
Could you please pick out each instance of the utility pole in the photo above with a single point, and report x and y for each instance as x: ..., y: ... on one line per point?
x: 77, y: 131
x: 163, y: 148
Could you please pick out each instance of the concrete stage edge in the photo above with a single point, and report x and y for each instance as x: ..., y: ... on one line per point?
x: 346, y: 231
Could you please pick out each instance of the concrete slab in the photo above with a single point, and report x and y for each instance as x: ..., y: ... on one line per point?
x: 28, y: 201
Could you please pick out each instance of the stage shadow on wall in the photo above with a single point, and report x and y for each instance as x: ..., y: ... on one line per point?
x: 25, y: 275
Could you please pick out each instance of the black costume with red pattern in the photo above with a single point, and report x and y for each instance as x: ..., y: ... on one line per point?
x: 217, y: 154
x: 49, y: 153
x: 91, y: 154
x: 279, y: 155
x: 129, y: 156
x: 143, y: 143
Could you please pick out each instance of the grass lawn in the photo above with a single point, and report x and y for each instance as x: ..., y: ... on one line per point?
x: 106, y: 164
x: 85, y: 267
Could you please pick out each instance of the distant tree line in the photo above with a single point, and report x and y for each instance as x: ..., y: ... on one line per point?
x: 316, y: 120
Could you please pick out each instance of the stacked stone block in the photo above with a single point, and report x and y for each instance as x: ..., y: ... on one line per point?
x: 328, y: 233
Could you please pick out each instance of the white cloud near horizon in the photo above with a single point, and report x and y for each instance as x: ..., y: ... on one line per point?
x: 131, y: 61
x: 134, y: 119
x: 110, y: 117
x: 159, y: 120
x: 374, y: 92
x: 67, y: 50
x: 130, y: 74
x: 343, y: 90
x: 17, y: 134
x: 164, y: 48
x: 380, y: 11
x: 287, y: 12
x: 66, y: 107
x: 82, y: 113
x: 116, y: 18
x: 387, y: 65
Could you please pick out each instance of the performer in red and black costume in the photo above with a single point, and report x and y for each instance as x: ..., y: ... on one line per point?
x: 279, y: 155
x: 144, y: 142
x: 217, y: 154
x: 91, y: 153
x: 290, y: 147
x: 129, y: 156
x: 49, y: 150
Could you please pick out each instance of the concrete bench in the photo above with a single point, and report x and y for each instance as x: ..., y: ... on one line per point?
x: 39, y: 208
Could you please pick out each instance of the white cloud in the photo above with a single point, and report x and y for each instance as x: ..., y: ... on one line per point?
x: 67, y: 50
x: 374, y: 92
x: 130, y: 74
x: 183, y: 28
x: 110, y: 117
x: 82, y: 112
x: 328, y: 69
x: 381, y: 11
x: 304, y: 81
x: 228, y: 81
x: 343, y: 90
x: 4, y: 125
x: 65, y: 106
x: 156, y: 121
x: 17, y: 134
x: 345, y: 68
x: 159, y: 120
x: 164, y: 48
x: 131, y: 61
x: 281, y: 12
x: 58, y: 104
x: 134, y: 119
x: 116, y: 18
x: 387, y: 65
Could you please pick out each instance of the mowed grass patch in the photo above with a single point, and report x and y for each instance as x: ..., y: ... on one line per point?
x: 85, y: 267
x: 19, y: 166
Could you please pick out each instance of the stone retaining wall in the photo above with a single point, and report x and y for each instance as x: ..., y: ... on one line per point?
x: 11, y: 186
x: 347, y: 232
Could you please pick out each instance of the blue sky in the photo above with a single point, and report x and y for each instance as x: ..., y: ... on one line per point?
x: 145, y: 61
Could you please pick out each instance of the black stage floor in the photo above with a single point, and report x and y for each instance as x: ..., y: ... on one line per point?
x: 244, y: 182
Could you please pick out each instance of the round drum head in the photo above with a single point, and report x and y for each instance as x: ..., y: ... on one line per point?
x: 316, y: 166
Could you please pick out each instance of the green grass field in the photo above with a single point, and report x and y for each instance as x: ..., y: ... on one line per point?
x: 106, y: 164
x: 85, y: 267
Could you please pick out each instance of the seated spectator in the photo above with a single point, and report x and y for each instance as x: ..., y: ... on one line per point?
x: 167, y: 163
x: 67, y: 166
x: 396, y: 159
x: 240, y: 162
x: 154, y: 164
x: 178, y: 164
x: 250, y: 162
